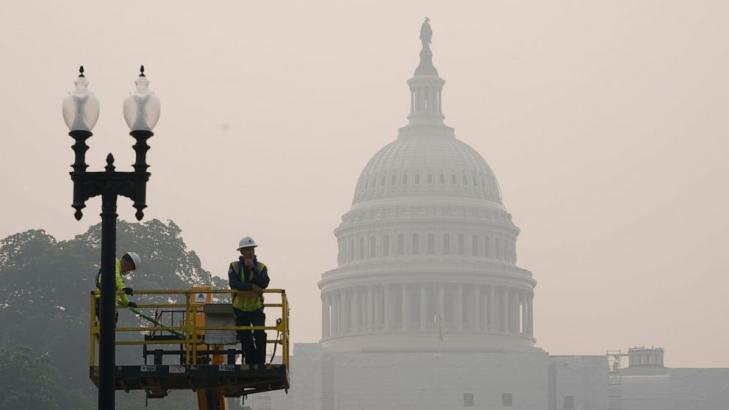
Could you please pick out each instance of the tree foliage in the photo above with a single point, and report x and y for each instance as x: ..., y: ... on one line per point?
x: 31, y: 382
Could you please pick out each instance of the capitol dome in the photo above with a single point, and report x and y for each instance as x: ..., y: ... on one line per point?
x: 418, y: 165
x: 427, y: 253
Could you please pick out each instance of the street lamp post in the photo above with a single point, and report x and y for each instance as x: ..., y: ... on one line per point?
x: 141, y: 112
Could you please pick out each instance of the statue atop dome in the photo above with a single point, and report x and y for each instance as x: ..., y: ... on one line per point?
x: 426, y: 56
x: 426, y: 33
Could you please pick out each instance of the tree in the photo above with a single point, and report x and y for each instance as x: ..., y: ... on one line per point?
x: 30, y: 382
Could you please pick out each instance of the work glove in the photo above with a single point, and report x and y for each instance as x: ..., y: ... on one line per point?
x: 131, y: 305
x: 128, y: 291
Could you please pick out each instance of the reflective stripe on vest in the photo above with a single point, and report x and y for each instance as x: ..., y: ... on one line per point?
x: 246, y: 302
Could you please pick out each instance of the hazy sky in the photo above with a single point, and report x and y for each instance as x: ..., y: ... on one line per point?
x: 604, y: 121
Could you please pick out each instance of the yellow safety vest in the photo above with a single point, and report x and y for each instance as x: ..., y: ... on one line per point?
x: 247, y: 301
x: 121, y: 298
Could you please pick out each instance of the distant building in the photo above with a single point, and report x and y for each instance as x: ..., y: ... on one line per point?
x: 646, y: 384
x: 427, y: 308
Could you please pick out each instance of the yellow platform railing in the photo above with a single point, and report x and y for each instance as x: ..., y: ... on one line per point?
x: 191, y: 332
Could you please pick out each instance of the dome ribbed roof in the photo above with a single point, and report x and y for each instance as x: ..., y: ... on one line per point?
x: 427, y: 165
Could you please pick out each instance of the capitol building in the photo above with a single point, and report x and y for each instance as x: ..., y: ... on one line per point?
x: 427, y: 307
x: 428, y: 251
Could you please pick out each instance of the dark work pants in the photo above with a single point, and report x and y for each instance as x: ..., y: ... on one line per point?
x: 254, y: 341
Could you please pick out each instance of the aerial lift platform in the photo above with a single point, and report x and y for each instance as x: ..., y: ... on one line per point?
x: 190, y: 343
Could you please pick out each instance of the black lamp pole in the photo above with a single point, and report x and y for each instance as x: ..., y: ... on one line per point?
x: 109, y: 184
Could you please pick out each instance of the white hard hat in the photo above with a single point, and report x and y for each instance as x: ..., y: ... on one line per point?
x: 246, y: 242
x: 135, y: 259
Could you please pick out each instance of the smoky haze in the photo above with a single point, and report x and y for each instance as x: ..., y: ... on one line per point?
x: 604, y: 123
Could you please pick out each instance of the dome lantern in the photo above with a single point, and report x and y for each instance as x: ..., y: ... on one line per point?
x: 426, y: 86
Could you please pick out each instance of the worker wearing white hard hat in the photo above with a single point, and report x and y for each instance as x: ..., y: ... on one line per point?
x: 250, y: 277
x: 128, y: 263
x: 134, y: 258
x: 246, y: 242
